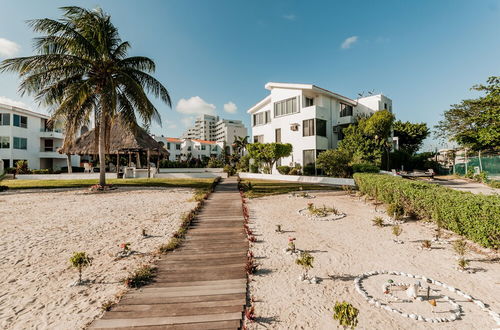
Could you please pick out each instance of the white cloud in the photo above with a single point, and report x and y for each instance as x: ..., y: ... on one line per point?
x: 187, y: 121
x: 11, y: 102
x: 230, y: 107
x: 195, y: 106
x: 346, y: 44
x: 8, y: 48
x: 290, y: 17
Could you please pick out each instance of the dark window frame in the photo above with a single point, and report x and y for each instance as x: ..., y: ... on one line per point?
x: 346, y: 110
x: 308, y: 127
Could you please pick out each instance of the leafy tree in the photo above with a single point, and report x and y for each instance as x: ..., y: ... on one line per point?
x: 475, y: 123
x: 368, y: 139
x: 80, y: 260
x: 335, y: 162
x: 239, y: 144
x: 411, y: 135
x: 82, y: 69
x: 269, y: 153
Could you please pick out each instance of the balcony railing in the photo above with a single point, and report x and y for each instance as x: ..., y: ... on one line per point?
x: 48, y: 130
x: 48, y: 149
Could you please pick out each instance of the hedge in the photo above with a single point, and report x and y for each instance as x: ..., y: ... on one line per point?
x: 477, y: 217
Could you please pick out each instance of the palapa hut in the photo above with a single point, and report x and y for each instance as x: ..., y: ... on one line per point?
x: 124, y: 139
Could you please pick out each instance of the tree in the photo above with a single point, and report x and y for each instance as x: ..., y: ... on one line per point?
x: 474, y: 123
x: 269, y: 153
x: 239, y: 144
x: 411, y: 135
x: 368, y: 139
x: 80, y: 260
x: 82, y: 68
x: 335, y: 163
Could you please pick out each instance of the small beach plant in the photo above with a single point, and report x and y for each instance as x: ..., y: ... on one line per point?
x: 426, y: 244
x: 397, y: 230
x: 291, y: 244
x: 125, y: 247
x: 346, y: 314
x: 378, y: 221
x: 142, y: 276
x: 460, y: 247
x: 80, y: 260
x: 395, y: 210
x: 278, y: 228
x: 462, y: 263
x: 305, y: 260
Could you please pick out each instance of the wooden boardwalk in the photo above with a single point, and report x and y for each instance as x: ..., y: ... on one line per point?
x: 201, y: 285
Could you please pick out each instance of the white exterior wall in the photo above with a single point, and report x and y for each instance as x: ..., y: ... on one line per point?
x: 326, y: 107
x: 190, y: 146
x: 35, y: 154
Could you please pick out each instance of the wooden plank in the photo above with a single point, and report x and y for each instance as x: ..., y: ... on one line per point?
x: 151, y: 321
x: 150, y: 307
x: 172, y: 310
x: 126, y: 300
x: 200, y: 283
x: 232, y: 324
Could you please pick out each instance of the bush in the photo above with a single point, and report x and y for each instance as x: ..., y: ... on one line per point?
x: 22, y: 167
x: 285, y: 170
x: 296, y: 170
x: 254, y: 168
x: 365, y: 168
x: 230, y: 170
x: 309, y: 169
x: 42, y: 171
x: 215, y: 163
x: 243, y: 164
x: 10, y: 170
x: 346, y: 314
x: 334, y: 163
x: 474, y: 216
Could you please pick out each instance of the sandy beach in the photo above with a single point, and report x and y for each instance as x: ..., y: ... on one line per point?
x: 348, y: 247
x: 40, y: 231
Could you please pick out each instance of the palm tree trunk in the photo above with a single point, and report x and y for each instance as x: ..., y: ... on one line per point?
x: 102, y: 152
x: 68, y: 160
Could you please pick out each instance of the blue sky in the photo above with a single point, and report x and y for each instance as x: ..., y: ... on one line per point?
x: 425, y: 55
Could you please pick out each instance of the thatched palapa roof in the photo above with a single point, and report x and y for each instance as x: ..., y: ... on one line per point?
x: 123, y: 139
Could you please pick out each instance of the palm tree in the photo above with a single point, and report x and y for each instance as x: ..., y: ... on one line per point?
x: 239, y: 144
x: 82, y: 69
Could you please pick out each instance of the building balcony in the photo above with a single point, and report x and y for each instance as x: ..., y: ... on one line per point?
x: 55, y: 134
x: 346, y: 120
x: 50, y: 152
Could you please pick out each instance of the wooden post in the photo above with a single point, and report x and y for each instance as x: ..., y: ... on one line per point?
x: 138, y: 159
x: 158, y: 162
x: 149, y: 164
x: 129, y: 158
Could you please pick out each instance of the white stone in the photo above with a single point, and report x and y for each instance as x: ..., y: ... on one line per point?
x: 404, y: 314
x: 413, y: 316
x: 479, y: 303
x: 420, y: 318
x: 428, y: 319
x: 377, y: 304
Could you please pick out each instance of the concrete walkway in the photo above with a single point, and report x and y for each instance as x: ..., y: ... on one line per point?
x: 201, y: 285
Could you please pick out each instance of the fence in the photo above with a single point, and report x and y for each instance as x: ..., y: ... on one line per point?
x: 489, y: 164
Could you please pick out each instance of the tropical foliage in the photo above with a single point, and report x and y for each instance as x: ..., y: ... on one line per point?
x: 269, y: 153
x: 475, y: 123
x: 411, y: 135
x: 81, y: 69
x: 335, y: 162
x: 474, y: 216
x: 346, y: 314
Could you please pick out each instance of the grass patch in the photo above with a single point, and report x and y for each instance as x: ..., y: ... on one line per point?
x: 262, y: 188
x: 199, y: 183
x: 142, y: 276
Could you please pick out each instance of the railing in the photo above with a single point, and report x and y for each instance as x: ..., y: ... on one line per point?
x: 48, y: 149
x: 48, y: 130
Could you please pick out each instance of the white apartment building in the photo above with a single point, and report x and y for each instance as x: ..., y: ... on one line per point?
x: 214, y: 128
x: 182, y: 149
x: 309, y: 117
x: 25, y: 135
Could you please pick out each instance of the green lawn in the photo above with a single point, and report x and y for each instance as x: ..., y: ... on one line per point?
x: 266, y: 188
x: 198, y: 183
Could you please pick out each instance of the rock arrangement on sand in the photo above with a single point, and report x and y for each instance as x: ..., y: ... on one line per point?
x: 412, y: 292
x: 321, y: 213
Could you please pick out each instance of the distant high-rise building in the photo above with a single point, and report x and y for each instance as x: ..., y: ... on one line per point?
x: 213, y: 128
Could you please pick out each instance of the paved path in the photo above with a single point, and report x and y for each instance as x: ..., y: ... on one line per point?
x: 202, y: 285
x: 464, y: 185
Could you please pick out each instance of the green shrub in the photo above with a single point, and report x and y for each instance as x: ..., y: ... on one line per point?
x: 334, y: 162
x: 474, y: 216
x: 254, y: 168
x: 285, y: 170
x: 140, y: 277
x: 365, y: 168
x: 230, y: 170
x: 346, y: 314
x: 215, y: 163
x: 243, y: 164
x: 22, y: 167
x: 309, y: 169
x: 296, y: 170
x: 43, y: 171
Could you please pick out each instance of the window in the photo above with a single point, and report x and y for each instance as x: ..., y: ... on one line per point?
x: 277, y: 135
x: 309, y: 156
x: 285, y: 107
x: 321, y: 127
x: 21, y: 121
x: 6, y: 163
x: 308, y: 127
x: 168, y: 145
x: 262, y: 118
x: 309, y: 101
x: 338, y: 130
x: 4, y: 119
x: 203, y: 147
x: 20, y: 143
x: 258, y: 139
x: 189, y: 148
x: 385, y: 106
x: 4, y: 142
x: 345, y: 110
x: 177, y: 146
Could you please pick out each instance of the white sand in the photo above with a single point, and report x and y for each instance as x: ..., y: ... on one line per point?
x: 40, y: 231
x: 345, y: 248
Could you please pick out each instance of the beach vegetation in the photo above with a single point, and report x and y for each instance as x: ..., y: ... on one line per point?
x: 346, y: 314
